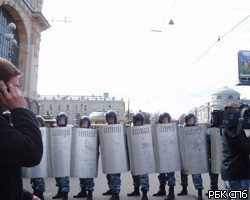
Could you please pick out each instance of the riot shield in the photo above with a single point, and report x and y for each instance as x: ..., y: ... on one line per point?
x: 193, y: 146
x: 113, y: 149
x: 60, y: 147
x: 166, y: 148
x: 216, y: 148
x: 41, y: 170
x: 84, y: 153
x: 141, y: 153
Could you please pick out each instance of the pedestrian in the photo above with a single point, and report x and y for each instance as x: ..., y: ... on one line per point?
x: 163, y: 178
x: 20, y: 143
x: 86, y: 184
x: 190, y: 120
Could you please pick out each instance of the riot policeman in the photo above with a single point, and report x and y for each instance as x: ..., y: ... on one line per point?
x: 190, y: 120
x: 62, y: 182
x: 139, y: 180
x: 86, y: 184
x: 165, y: 118
x: 114, y: 180
x: 38, y: 184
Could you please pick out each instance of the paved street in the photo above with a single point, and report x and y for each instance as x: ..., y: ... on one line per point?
x: 101, y: 186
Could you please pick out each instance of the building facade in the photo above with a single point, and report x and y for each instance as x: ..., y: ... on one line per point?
x: 220, y: 99
x: 21, y: 24
x: 78, y: 106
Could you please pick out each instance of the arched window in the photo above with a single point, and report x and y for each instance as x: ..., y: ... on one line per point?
x: 8, y: 49
x: 230, y: 97
x: 219, y: 97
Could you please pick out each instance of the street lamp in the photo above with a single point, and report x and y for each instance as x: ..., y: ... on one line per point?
x: 9, y: 36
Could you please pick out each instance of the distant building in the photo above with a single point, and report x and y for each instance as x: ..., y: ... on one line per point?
x: 77, y: 106
x: 220, y: 99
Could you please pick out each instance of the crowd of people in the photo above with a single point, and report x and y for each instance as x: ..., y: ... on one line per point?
x: 21, y: 138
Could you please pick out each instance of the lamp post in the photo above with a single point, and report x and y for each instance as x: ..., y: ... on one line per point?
x: 9, y: 36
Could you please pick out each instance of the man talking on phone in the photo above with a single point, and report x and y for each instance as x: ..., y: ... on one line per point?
x: 20, y: 143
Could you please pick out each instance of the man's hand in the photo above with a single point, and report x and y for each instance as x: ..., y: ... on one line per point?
x: 35, y: 198
x: 12, y: 99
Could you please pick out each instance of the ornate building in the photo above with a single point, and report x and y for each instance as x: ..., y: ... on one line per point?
x: 220, y: 99
x: 21, y: 24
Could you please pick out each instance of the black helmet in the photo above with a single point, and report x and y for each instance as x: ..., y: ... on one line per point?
x: 138, y: 117
x: 190, y: 116
x: 40, y: 120
x: 84, y: 119
x: 7, y: 116
x: 111, y: 114
x: 163, y: 115
x: 62, y: 115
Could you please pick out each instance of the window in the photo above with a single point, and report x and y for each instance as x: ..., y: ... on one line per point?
x: 76, y: 107
x: 103, y: 108
x: 219, y: 97
x: 50, y: 107
x: 230, y: 97
x: 59, y: 107
x: 67, y: 107
x: 85, y: 108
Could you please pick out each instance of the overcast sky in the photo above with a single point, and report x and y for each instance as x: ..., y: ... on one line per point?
x: 109, y: 46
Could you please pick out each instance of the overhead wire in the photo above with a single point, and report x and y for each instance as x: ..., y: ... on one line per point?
x: 218, y: 40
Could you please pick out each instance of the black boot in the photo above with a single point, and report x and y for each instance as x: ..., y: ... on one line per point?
x: 170, y: 195
x: 136, y: 192
x: 161, y: 192
x: 200, y: 195
x: 65, y: 195
x: 81, y: 194
x: 59, y: 194
x: 108, y: 192
x: 90, y: 195
x: 144, y: 195
x: 115, y: 196
x: 183, y: 192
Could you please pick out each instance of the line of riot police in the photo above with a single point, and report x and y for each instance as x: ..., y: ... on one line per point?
x: 155, y: 150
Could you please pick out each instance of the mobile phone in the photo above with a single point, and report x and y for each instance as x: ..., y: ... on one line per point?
x: 6, y: 86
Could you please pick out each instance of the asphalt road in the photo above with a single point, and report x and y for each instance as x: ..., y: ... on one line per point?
x: 126, y: 187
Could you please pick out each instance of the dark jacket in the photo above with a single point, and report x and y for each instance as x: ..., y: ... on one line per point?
x: 235, y: 157
x: 20, y: 146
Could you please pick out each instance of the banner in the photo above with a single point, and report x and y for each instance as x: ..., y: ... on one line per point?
x: 244, y: 67
x: 141, y: 154
x: 193, y: 145
x: 114, y: 152
x: 166, y: 148
x: 84, y: 153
